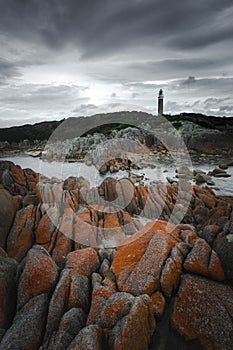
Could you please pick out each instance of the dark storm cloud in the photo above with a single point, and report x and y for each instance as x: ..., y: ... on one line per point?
x: 168, y: 68
x: 7, y: 70
x: 121, y: 51
x: 102, y: 26
x: 10, y: 69
x: 217, y: 85
x: 221, y: 85
x: 203, y: 39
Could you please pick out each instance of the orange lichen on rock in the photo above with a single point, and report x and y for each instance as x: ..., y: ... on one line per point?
x: 158, y: 304
x: 198, y: 259
x: 112, y: 230
x: 45, y: 230
x: 21, y: 238
x: 39, y: 275
x: 203, y: 261
x: 83, y: 262
x: 170, y: 275
x: 63, y: 239
x: 217, y: 214
x: 134, y: 331
x: 139, y: 259
x: 203, y: 310
x: 99, y: 297
x: 189, y: 237
x: 215, y: 268
x: 85, y: 232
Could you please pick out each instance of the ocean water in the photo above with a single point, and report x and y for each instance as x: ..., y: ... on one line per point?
x: 62, y: 170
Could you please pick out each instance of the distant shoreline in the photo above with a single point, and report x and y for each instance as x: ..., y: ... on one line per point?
x: 199, y: 133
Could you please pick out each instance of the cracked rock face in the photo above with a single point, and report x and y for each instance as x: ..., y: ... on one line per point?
x: 160, y: 285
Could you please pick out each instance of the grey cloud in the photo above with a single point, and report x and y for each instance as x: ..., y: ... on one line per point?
x: 38, y: 96
x: 217, y: 86
x: 53, y: 22
x: 115, y: 104
x: 214, y: 101
x: 106, y: 25
x: 218, y: 29
x: 90, y: 109
x: 7, y: 70
x: 85, y: 109
x: 219, y: 106
x: 142, y: 85
x: 189, y: 81
x: 226, y: 109
x: 156, y: 21
x: 192, y: 87
x: 204, y: 39
x: 172, y: 68
x: 209, y: 106
x: 114, y: 46
x: 10, y: 69
x: 29, y: 103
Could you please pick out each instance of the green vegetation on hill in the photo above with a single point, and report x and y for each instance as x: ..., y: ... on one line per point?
x: 104, y: 123
x: 107, y: 128
x: 204, y: 121
x: 38, y: 131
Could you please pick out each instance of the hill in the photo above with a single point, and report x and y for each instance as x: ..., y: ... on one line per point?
x: 199, y: 131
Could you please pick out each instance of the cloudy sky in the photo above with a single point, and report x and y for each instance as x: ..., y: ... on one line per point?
x: 62, y: 58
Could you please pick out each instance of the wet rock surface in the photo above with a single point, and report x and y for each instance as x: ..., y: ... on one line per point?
x: 120, y: 284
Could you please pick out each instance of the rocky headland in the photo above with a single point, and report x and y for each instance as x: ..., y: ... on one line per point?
x: 75, y: 136
x: 79, y: 270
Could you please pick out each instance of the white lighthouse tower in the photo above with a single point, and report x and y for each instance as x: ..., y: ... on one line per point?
x: 160, y: 103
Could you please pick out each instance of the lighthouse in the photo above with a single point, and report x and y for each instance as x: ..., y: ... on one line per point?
x: 160, y: 103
